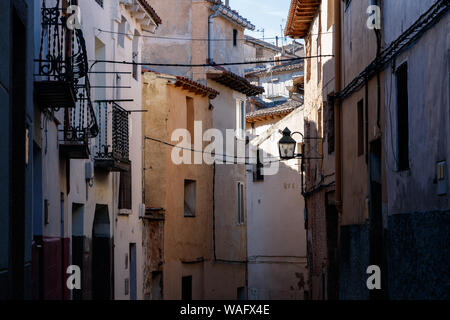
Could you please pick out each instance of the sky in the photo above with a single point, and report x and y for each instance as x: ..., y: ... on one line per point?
x: 269, y: 15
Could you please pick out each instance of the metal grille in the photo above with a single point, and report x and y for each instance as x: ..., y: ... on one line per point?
x: 113, y: 139
x: 120, y: 133
x: 63, y: 66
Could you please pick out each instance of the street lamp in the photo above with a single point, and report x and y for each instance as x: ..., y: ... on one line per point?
x: 287, y: 145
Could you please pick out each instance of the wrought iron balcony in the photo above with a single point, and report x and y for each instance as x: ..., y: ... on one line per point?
x: 61, y: 60
x: 112, y: 143
x: 80, y: 125
x: 62, y: 82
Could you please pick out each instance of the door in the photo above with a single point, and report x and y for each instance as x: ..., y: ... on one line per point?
x: 376, y: 217
x: 133, y: 280
x: 101, y: 255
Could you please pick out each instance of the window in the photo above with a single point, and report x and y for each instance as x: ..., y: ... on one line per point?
x: 190, y: 191
x: 329, y: 108
x: 258, y: 168
x: 190, y: 117
x: 360, y: 114
x: 240, y: 203
x: 240, y: 119
x: 235, y: 34
x: 402, y: 117
x: 122, y: 31
x: 186, y: 288
x: 125, y: 190
x: 118, y: 86
x: 136, y: 58
x: 259, y: 52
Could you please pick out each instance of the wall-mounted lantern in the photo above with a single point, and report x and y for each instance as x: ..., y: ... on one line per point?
x: 287, y: 145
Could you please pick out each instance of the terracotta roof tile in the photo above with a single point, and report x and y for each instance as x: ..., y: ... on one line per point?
x: 146, y: 5
x: 280, y: 110
x: 235, y: 82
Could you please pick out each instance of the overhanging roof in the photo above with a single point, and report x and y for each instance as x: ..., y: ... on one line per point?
x: 279, y: 111
x: 196, y: 87
x: 230, y: 14
x: 185, y: 84
x: 143, y: 12
x: 233, y: 81
x: 301, y: 15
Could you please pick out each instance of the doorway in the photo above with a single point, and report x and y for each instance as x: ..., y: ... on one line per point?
x: 376, y: 216
x: 133, y: 271
x: 332, y: 225
x: 101, y: 255
x: 78, y: 245
x: 19, y: 138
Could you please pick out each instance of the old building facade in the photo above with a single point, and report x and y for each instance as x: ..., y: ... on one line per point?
x: 178, y: 196
x: 16, y: 147
x: 316, y: 28
x: 88, y: 139
x: 205, y: 21
x: 375, y: 132
x: 276, y: 235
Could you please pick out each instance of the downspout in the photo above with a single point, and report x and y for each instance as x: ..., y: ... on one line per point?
x: 337, y: 102
x: 215, y: 14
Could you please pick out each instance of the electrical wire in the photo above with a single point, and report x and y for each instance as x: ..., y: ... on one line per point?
x: 215, y: 155
x: 188, y: 39
x: 150, y: 64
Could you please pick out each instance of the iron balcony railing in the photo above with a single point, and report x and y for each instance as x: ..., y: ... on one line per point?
x: 112, y: 143
x: 61, y: 79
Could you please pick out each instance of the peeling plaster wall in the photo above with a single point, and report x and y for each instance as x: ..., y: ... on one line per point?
x: 418, y: 218
x: 319, y: 83
x: 185, y: 242
x: 231, y: 240
x: 415, y: 190
x: 177, y: 23
x: 276, y: 232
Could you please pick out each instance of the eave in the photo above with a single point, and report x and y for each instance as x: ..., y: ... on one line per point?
x: 301, y: 15
x: 196, y: 87
x: 143, y: 12
x: 233, y: 81
x: 231, y: 15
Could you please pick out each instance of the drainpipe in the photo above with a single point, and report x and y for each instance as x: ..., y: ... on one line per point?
x: 337, y: 103
x: 210, y: 31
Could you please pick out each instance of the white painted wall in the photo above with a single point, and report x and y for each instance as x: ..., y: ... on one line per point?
x: 105, y: 187
x: 276, y: 234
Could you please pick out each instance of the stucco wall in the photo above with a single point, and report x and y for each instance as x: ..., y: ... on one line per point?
x: 319, y: 83
x: 186, y: 241
x: 276, y: 235
x: 415, y: 190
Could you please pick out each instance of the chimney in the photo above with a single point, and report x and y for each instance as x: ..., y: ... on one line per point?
x: 276, y: 40
x: 227, y: 3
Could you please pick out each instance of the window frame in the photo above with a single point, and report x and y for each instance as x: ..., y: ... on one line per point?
x: 402, y: 159
x: 194, y: 213
x: 240, y: 119
x: 240, y: 203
